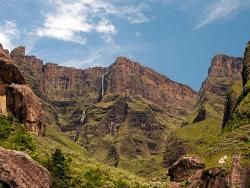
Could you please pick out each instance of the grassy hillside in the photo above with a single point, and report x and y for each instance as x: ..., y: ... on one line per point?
x: 205, y: 139
x: 85, y: 172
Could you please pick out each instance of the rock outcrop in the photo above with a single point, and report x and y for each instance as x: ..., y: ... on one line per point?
x: 202, y: 115
x: 16, y: 97
x: 185, y: 168
x: 18, y: 170
x: 9, y: 73
x: 25, y: 106
x: 192, y: 170
x: 223, y: 72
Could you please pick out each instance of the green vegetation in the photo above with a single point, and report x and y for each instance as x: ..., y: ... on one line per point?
x: 205, y: 139
x: 14, y: 135
x: 59, y: 168
x: 70, y: 163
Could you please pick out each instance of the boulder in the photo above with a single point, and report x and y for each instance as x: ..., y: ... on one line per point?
x: 26, y: 107
x: 215, y: 178
x: 186, y: 168
x: 18, y: 170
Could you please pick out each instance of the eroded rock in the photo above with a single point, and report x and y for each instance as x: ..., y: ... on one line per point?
x: 25, y: 106
x: 18, y: 170
x: 9, y: 73
x: 185, y: 168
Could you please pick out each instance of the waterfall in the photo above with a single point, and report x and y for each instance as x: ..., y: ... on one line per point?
x: 103, y: 84
x: 82, y: 121
x: 103, y: 76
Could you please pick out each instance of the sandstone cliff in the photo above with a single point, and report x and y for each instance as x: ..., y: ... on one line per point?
x: 17, y: 98
x: 124, y: 77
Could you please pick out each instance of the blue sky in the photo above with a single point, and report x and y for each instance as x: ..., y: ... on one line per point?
x: 177, y: 38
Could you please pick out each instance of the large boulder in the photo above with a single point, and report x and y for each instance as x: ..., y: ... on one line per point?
x: 26, y: 107
x: 186, y: 168
x: 18, y: 170
x: 9, y: 73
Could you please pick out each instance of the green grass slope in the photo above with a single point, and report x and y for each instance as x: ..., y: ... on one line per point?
x: 84, y: 171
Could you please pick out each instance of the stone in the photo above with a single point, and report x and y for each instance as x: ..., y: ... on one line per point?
x: 26, y: 107
x: 186, y: 168
x: 18, y: 170
x: 9, y: 73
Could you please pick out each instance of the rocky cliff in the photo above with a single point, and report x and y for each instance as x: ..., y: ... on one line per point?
x: 124, y: 78
x: 17, y: 98
x: 224, y: 71
x: 240, y: 113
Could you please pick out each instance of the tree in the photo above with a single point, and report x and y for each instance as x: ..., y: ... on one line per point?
x: 60, y: 169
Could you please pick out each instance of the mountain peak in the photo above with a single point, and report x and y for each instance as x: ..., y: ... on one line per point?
x: 18, y: 51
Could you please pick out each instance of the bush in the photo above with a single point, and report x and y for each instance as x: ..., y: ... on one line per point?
x: 14, y: 135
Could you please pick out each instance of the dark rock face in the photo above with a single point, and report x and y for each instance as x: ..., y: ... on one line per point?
x: 200, y: 116
x: 25, y: 106
x: 17, y: 170
x: 232, y: 101
x: 185, y: 168
x: 246, y: 69
x: 223, y: 72
x: 239, y: 115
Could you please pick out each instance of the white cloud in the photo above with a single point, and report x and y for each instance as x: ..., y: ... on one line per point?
x: 221, y: 10
x: 8, y: 32
x: 72, y: 20
x: 105, y: 26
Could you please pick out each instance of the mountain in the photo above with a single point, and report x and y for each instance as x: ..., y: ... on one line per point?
x: 121, y: 114
x: 224, y: 71
x: 127, y: 116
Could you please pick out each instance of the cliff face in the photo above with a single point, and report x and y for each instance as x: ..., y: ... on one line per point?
x: 240, y: 114
x: 17, y: 98
x: 223, y: 72
x: 130, y: 78
x: 124, y: 77
x: 56, y: 82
